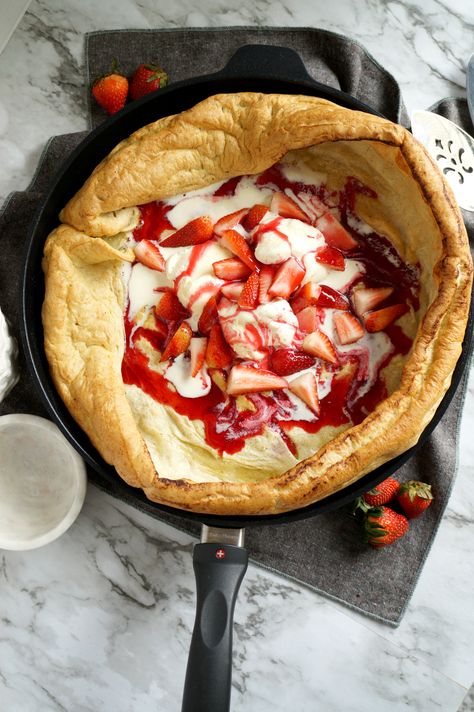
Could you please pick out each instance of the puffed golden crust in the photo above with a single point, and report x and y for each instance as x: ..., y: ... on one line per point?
x: 222, y: 137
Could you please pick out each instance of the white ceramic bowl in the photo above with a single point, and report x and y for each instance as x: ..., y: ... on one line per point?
x: 42, y: 482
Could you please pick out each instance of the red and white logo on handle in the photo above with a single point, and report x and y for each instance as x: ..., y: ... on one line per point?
x: 220, y: 553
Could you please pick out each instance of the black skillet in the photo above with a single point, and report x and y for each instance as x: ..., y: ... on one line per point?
x: 220, y: 561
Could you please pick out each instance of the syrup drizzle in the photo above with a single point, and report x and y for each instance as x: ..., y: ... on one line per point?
x: 226, y: 428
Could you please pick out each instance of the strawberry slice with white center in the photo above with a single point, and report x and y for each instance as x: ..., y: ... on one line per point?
x: 378, y: 320
x: 231, y: 269
x: 308, y: 319
x: 330, y: 256
x: 197, y: 348
x: 319, y: 344
x: 238, y: 245
x: 288, y: 277
x: 249, y: 295
x: 365, y: 300
x: 193, y: 233
x: 169, y: 308
x: 306, y: 388
x: 311, y: 205
x: 179, y: 342
x: 284, y: 362
x: 233, y: 290
x: 254, y: 217
x: 228, y: 222
x: 286, y: 207
x: 247, y: 379
x: 266, y: 275
x: 149, y: 255
x: 335, y: 235
x: 208, y: 316
x: 348, y: 327
x: 218, y: 352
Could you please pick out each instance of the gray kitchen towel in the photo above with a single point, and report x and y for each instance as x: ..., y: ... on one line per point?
x: 324, y: 553
x: 329, y: 58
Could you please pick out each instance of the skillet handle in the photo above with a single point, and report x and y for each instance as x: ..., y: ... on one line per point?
x: 219, y: 570
x: 269, y: 61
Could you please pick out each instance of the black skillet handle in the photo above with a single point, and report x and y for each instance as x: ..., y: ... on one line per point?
x: 267, y: 61
x: 219, y: 570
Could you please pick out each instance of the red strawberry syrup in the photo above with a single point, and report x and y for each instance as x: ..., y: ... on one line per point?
x: 226, y: 427
x: 153, y: 221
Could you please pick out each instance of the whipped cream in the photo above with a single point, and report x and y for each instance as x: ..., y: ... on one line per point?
x: 195, y: 279
x: 371, y: 350
x: 8, y: 352
x: 251, y: 333
x: 285, y: 237
x: 323, y: 274
x: 203, y: 202
x: 142, y: 285
x: 179, y: 374
x: 272, y: 248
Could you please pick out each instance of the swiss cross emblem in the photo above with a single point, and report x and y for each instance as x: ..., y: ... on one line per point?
x: 220, y: 554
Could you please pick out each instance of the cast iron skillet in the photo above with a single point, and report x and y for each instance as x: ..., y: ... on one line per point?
x: 221, y: 561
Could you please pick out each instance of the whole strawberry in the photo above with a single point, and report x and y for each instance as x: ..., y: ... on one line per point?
x: 111, y: 91
x: 414, y: 497
x: 382, y: 493
x: 147, y: 78
x: 383, y: 526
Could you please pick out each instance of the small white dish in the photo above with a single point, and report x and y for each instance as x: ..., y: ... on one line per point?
x: 42, y: 482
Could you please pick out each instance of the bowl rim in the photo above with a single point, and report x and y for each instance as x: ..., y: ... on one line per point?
x: 78, y: 472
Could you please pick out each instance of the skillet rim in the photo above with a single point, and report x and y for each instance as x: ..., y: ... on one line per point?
x: 31, y: 328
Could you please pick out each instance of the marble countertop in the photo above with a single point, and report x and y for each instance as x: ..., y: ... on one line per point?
x: 101, y: 619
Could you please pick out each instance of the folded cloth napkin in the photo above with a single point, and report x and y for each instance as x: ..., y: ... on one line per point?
x: 324, y: 553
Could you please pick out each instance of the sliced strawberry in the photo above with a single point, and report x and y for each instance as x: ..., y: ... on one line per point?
x: 238, y: 245
x: 249, y: 296
x: 319, y: 344
x: 286, y: 207
x: 197, y: 348
x: 233, y: 290
x: 149, y: 255
x: 218, y: 352
x: 219, y: 377
x: 228, y: 222
x: 288, y: 277
x: 284, y: 362
x: 330, y: 256
x: 230, y: 269
x: 254, y: 216
x: 321, y: 295
x: 306, y: 388
x: 331, y: 298
x: 378, y: 320
x: 311, y: 205
x: 348, y: 327
x: 179, y: 342
x: 208, y: 316
x: 266, y: 275
x: 299, y: 302
x: 366, y: 299
x: 335, y: 235
x: 225, y: 304
x: 308, y: 319
x: 193, y: 233
x: 247, y: 379
x: 170, y: 308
